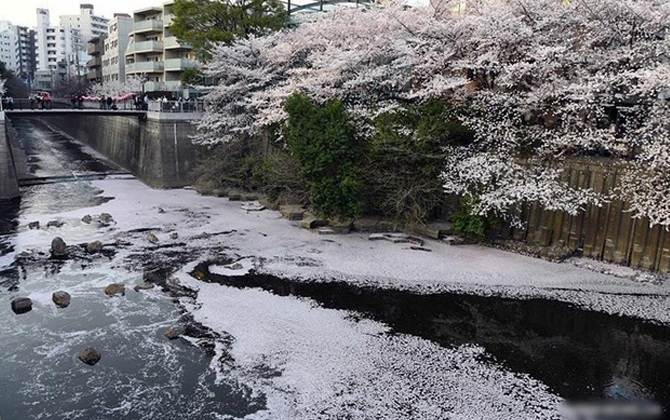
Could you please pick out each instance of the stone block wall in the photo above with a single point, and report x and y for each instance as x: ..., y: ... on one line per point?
x: 9, y: 187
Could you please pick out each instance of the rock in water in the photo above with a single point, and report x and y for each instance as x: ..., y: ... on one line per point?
x: 151, y: 238
x: 21, y: 305
x: 87, y: 219
x: 61, y: 299
x: 93, y: 247
x: 115, y: 289
x: 173, y: 333
x: 143, y: 286
x: 174, y: 235
x: 90, y: 356
x: 105, y: 218
x: 58, y: 248
x: 34, y: 225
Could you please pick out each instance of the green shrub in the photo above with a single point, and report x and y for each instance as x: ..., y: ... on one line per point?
x: 323, y: 141
x: 467, y: 224
x: 406, y: 156
x: 228, y: 166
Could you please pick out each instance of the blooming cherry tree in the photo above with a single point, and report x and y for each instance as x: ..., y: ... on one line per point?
x: 543, y: 80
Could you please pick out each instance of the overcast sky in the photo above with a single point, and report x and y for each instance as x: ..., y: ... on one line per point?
x: 22, y: 12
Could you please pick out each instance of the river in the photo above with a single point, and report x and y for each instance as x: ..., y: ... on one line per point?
x: 279, y: 342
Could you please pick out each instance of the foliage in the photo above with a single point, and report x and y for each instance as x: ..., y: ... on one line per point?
x: 281, y: 178
x: 546, y: 80
x: 406, y: 157
x: 467, y: 223
x: 229, y: 166
x: 10, y: 84
x: 323, y: 141
x: 203, y: 23
x: 191, y: 76
x: 132, y: 84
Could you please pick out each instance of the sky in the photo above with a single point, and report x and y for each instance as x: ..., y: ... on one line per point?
x: 22, y: 12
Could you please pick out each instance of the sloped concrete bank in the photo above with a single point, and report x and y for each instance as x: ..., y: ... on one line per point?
x: 155, y: 148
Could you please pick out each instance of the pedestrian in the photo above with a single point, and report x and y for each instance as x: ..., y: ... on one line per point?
x: 146, y: 102
x: 110, y: 101
x: 10, y: 103
x: 73, y: 101
x: 80, y: 101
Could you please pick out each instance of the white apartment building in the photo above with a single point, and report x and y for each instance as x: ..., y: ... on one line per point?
x: 87, y: 22
x: 61, y: 51
x: 113, y: 58
x: 154, y: 52
x: 9, y: 49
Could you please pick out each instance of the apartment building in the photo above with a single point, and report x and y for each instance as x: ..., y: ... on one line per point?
x: 87, y: 22
x: 8, y: 45
x: 113, y: 58
x: 95, y: 50
x: 153, y: 51
x: 26, y: 54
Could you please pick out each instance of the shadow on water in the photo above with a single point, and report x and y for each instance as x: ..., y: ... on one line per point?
x: 581, y: 355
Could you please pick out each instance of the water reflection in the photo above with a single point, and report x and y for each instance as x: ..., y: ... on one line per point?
x: 580, y: 354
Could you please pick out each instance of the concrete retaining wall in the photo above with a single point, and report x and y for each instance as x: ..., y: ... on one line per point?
x: 9, y: 187
x: 157, y: 151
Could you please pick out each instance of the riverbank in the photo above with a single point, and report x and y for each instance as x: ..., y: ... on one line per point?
x: 301, y: 358
x: 278, y: 247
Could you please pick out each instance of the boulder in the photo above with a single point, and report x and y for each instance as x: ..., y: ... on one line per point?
x: 55, y: 223
x: 61, y: 299
x: 106, y: 218
x: 90, y: 356
x: 310, y: 221
x: 174, y: 236
x: 115, y: 289
x: 373, y: 225
x: 143, y: 286
x: 34, y: 225
x: 21, y: 305
x: 151, y: 237
x: 58, y: 248
x: 161, y: 210
x: 292, y: 212
x: 174, y: 332
x: 93, y: 247
x: 340, y: 226
x: 252, y: 206
x: 87, y: 219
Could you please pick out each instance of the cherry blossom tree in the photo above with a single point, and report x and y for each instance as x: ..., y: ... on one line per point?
x: 543, y: 80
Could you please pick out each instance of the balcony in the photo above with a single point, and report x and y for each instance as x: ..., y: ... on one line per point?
x: 152, y: 86
x: 179, y: 64
x: 171, y: 42
x: 94, y: 62
x: 149, y: 25
x: 173, y: 85
x: 94, y: 49
x: 145, y: 67
x: 145, y: 47
x: 94, y: 75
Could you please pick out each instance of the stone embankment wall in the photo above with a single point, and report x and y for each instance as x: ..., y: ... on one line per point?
x: 9, y: 187
x: 155, y: 148
x: 605, y: 233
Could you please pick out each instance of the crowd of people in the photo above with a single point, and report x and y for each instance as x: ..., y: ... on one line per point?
x: 7, y: 102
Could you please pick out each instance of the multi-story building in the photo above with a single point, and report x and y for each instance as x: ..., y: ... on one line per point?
x: 153, y: 51
x: 26, y: 54
x: 87, y: 22
x: 95, y: 50
x: 113, y: 58
x: 58, y: 47
x: 9, y: 45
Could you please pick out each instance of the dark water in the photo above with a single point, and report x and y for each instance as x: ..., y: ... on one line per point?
x: 582, y: 355
x: 141, y: 375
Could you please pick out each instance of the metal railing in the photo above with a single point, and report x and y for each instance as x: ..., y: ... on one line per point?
x: 176, y: 106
